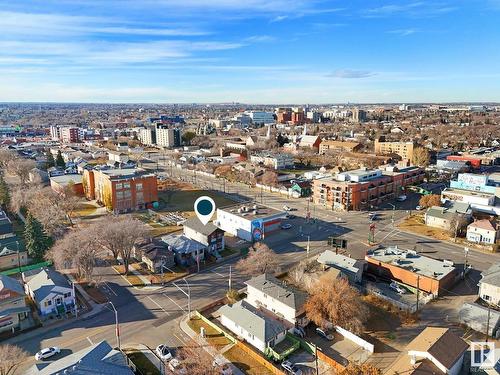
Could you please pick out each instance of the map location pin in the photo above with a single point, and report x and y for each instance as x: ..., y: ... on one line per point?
x: 204, y: 207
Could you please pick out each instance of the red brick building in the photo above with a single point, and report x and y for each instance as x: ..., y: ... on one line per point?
x: 121, y: 190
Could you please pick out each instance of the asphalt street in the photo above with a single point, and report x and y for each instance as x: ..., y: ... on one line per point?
x: 151, y: 316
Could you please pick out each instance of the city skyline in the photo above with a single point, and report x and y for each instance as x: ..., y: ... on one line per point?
x: 253, y: 52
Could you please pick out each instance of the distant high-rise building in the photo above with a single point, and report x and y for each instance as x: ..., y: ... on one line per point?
x: 147, y: 136
x: 167, y: 136
x: 298, y: 116
x: 358, y: 115
x: 261, y: 117
x: 69, y: 134
x: 284, y: 115
x: 403, y: 149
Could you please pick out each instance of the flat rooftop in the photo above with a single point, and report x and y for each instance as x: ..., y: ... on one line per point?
x: 126, y: 173
x: 471, y: 193
x: 248, y: 211
x: 65, y: 179
x: 412, y: 261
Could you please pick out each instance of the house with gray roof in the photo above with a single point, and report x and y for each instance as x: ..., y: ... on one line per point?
x: 489, y: 285
x: 209, y: 235
x: 187, y: 251
x: 253, y: 325
x: 286, y: 302
x: 442, y: 217
x: 98, y: 359
x: 50, y: 290
x: 350, y: 267
x: 13, y: 308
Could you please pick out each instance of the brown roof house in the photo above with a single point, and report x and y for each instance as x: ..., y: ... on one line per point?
x: 154, y: 254
x: 435, y: 351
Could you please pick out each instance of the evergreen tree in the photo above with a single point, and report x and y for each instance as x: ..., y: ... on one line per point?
x: 60, y: 161
x: 37, y: 240
x: 50, y: 160
x: 4, y: 193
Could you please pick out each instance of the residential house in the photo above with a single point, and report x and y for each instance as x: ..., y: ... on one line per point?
x: 13, y: 308
x: 209, y: 235
x: 350, y: 267
x: 97, y: 359
x: 187, y: 251
x: 489, y: 285
x: 259, y: 329
x: 301, y: 187
x: 11, y: 255
x: 154, y: 254
x: 266, y: 291
x: 434, y: 351
x: 50, y: 290
x: 443, y: 217
x: 6, y: 228
x: 482, y: 231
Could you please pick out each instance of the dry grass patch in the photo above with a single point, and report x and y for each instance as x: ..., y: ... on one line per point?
x: 416, y: 224
x: 212, y: 336
x: 244, y: 362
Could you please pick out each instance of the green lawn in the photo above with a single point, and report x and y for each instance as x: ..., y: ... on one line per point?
x: 183, y: 200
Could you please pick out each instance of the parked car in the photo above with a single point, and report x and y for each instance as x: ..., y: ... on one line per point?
x: 372, y: 215
x: 164, y: 352
x: 401, y: 198
x: 286, y: 226
x: 291, y: 368
x: 286, y: 208
x: 289, y: 216
x: 397, y: 288
x: 47, y: 353
x: 325, y: 335
x: 177, y: 367
x: 419, y: 208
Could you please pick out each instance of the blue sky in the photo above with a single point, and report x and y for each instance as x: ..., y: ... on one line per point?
x: 253, y: 51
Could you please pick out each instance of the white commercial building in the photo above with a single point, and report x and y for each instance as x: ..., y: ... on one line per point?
x: 275, y: 161
x: 250, y: 223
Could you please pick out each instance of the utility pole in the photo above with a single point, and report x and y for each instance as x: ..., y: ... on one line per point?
x: 418, y: 289
x: 466, y: 251
x: 229, y: 277
x: 488, y: 324
x: 117, y: 327
x: 308, y: 245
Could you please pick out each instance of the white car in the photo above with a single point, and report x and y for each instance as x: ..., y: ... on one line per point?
x: 47, y: 353
x: 286, y: 208
x: 397, y: 288
x: 291, y: 368
x: 286, y: 226
x: 419, y: 208
x: 401, y: 198
x: 164, y: 352
x: 325, y: 335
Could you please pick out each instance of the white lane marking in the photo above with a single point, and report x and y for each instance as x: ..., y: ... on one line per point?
x: 111, y: 290
x: 165, y: 294
x: 157, y: 304
x: 217, y: 273
x: 91, y: 343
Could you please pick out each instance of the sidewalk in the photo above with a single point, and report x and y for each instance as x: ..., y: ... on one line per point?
x: 210, y: 350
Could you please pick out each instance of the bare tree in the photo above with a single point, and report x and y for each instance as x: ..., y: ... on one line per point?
x: 119, y: 234
x: 334, y: 301
x: 430, y: 200
x: 421, y: 156
x: 270, y: 178
x: 197, y: 361
x: 78, y: 249
x: 21, y: 168
x: 361, y: 369
x: 48, y: 207
x: 260, y: 259
x: 6, y: 156
x: 11, y: 357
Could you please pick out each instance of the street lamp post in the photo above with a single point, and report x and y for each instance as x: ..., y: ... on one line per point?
x: 117, y: 326
x: 188, y: 294
x: 393, y: 209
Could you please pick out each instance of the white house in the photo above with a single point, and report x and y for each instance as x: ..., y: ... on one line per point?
x: 50, y: 290
x: 252, y: 325
x: 434, y: 351
x: 268, y: 292
x: 489, y: 285
x: 482, y: 231
x: 352, y: 268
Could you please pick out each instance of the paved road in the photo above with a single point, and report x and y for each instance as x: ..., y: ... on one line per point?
x: 152, y: 317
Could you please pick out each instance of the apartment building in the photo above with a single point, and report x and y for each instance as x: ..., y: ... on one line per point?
x: 70, y: 135
x: 275, y: 161
x: 147, y: 136
x: 166, y: 136
x: 121, y: 190
x: 403, y: 149
x: 364, y: 188
x: 358, y: 115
